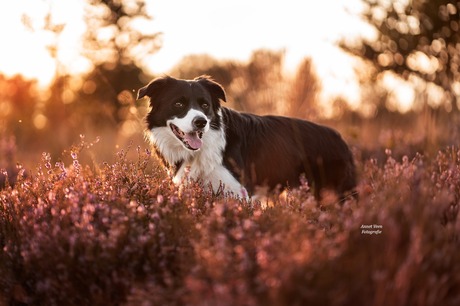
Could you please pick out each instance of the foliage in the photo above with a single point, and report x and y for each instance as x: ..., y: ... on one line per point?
x: 304, y: 90
x: 259, y: 86
x: 106, y: 96
x: 102, y: 102
x: 415, y: 38
x: 15, y: 107
x: 122, y: 233
x: 113, y: 26
x: 107, y: 91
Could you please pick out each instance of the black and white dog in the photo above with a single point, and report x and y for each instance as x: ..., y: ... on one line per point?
x: 199, y: 139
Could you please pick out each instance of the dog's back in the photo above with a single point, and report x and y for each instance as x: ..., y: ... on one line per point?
x: 274, y: 150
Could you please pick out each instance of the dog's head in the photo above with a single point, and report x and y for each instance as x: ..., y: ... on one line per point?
x: 186, y: 108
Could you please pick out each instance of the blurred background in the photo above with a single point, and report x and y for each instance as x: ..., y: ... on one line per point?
x: 384, y: 73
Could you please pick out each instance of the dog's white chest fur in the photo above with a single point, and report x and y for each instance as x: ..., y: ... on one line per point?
x: 204, y: 165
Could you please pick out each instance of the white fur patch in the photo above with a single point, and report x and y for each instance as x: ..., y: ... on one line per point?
x: 185, y: 123
x: 204, y: 164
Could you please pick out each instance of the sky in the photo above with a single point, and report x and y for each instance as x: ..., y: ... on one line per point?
x: 222, y: 29
x: 233, y: 29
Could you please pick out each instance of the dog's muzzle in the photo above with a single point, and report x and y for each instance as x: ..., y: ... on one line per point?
x: 192, y: 140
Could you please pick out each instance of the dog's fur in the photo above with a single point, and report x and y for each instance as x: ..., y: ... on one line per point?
x: 199, y: 139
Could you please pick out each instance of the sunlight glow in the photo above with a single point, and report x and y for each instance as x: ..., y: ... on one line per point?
x: 419, y: 61
x: 230, y: 30
x: 401, y: 93
x: 301, y: 29
x: 29, y: 51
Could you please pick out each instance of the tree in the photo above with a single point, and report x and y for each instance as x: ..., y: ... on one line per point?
x: 263, y: 89
x: 304, y: 92
x: 256, y: 86
x: 191, y: 66
x: 117, y: 46
x: 118, y: 32
x: 418, y: 38
x: 117, y: 41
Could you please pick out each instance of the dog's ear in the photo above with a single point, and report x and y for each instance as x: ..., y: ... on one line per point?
x: 154, y: 87
x: 215, y: 89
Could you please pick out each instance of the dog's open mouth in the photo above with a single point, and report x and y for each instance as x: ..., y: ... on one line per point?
x: 190, y: 140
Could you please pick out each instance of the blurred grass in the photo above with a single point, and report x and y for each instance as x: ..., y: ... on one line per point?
x: 121, y: 233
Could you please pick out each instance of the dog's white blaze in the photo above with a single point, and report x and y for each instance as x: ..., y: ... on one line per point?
x: 172, y: 148
x: 204, y: 164
x: 185, y: 123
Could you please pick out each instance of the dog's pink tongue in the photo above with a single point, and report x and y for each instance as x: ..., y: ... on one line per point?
x: 193, y: 140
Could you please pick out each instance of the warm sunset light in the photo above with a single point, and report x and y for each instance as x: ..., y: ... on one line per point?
x: 292, y: 27
x: 28, y: 50
x: 239, y: 152
x: 34, y: 49
x: 68, y: 59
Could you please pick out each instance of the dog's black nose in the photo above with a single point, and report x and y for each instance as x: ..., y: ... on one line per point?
x: 199, y: 122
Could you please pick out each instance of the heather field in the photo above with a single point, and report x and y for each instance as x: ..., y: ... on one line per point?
x: 122, y: 234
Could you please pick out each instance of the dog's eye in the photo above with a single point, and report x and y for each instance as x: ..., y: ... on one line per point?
x: 205, y: 105
x: 179, y: 104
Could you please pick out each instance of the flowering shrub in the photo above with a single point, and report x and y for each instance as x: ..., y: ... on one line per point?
x: 122, y: 233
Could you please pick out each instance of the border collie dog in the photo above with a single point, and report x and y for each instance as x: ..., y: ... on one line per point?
x: 199, y: 139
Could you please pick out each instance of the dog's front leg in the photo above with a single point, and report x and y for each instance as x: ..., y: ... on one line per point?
x: 223, y: 181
